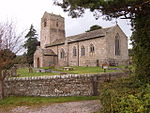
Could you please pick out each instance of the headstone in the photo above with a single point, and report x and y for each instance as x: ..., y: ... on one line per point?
x: 30, y: 69
x: 14, y: 71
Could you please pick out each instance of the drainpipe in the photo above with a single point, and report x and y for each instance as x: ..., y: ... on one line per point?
x: 57, y: 55
x: 67, y: 45
x: 67, y: 54
x: 78, y: 54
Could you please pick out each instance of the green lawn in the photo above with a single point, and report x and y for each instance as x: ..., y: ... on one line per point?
x: 83, y: 70
x: 18, y: 101
x: 24, y: 72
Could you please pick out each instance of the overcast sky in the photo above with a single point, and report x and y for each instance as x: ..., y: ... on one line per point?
x: 27, y: 12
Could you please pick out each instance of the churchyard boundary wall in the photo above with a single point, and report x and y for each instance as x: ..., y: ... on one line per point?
x: 58, y: 85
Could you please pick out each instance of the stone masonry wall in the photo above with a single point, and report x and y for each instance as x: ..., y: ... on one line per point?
x: 58, y: 85
x: 1, y: 90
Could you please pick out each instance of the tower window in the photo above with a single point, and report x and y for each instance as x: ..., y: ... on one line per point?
x: 45, y: 23
x: 117, y: 45
x: 56, y: 24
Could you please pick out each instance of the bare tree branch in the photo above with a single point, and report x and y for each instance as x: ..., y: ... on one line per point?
x: 10, y: 44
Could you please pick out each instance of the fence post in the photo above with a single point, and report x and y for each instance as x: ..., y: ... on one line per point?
x: 95, y: 85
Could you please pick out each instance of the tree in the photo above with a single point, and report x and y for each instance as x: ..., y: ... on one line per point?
x: 31, y: 44
x: 135, y: 10
x: 21, y: 59
x: 130, y: 51
x: 94, y: 27
x: 9, y: 46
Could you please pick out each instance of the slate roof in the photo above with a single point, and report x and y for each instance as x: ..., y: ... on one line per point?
x: 59, y: 41
x: 48, y: 52
x: 81, y: 37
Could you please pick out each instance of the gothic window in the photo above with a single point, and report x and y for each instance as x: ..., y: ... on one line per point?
x: 92, y: 48
x: 56, y: 24
x: 82, y: 51
x: 74, y: 51
x: 117, y: 45
x: 62, y: 53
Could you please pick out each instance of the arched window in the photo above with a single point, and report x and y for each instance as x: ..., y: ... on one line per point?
x: 56, y: 24
x: 62, y: 53
x: 45, y: 22
x: 92, y: 49
x: 38, y: 62
x: 117, y: 45
x: 74, y: 51
x: 82, y: 51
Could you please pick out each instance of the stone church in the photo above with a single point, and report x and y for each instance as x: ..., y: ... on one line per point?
x: 106, y: 45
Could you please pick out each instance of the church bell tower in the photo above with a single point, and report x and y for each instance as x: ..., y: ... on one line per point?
x: 52, y: 29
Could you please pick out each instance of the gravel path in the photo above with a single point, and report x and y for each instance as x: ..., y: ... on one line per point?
x: 68, y: 107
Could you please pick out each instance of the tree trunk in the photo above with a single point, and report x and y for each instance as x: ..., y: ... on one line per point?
x: 1, y: 86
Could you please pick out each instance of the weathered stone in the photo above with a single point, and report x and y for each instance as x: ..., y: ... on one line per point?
x: 53, y: 41
x: 74, y: 85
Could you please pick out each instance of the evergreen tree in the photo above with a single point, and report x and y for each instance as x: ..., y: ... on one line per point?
x: 31, y: 44
x: 94, y: 27
x: 135, y: 10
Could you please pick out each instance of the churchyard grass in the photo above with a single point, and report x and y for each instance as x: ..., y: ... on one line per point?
x: 24, y: 72
x: 22, y: 101
x: 84, y: 70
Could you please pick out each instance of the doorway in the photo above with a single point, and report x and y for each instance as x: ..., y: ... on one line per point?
x: 97, y: 63
x: 38, y: 62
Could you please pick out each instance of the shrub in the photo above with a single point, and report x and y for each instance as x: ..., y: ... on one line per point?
x: 125, y: 96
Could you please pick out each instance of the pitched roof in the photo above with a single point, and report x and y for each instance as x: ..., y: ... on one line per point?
x: 84, y: 36
x: 48, y: 52
x: 59, y: 41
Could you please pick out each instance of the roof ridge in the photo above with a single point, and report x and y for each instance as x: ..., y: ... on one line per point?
x: 90, y: 31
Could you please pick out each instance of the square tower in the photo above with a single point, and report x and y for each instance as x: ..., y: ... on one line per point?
x: 52, y: 28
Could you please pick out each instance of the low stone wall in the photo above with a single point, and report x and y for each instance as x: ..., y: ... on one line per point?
x: 58, y: 85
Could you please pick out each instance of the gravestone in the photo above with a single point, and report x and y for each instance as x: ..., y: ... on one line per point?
x: 13, y: 71
x: 30, y: 69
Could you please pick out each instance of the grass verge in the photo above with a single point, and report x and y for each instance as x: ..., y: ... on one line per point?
x: 30, y: 101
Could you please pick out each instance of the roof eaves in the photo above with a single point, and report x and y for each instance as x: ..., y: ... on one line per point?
x: 51, y: 45
x: 49, y: 55
x: 83, y: 39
